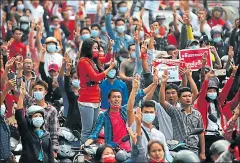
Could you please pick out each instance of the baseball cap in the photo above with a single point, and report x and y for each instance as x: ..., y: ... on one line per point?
x: 161, y: 54
x: 53, y: 67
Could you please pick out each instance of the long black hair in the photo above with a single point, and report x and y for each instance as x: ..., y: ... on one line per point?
x: 215, y: 103
x: 86, y: 51
x: 99, y: 152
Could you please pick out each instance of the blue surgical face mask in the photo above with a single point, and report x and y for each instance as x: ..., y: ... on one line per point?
x: 133, y: 27
x: 133, y: 55
x: 217, y: 39
x: 141, y: 35
x: 212, y: 95
x: 37, y: 121
x: 76, y: 83
x: 194, y: 47
x: 94, y: 33
x: 103, y: 29
x: 148, y: 117
x: 38, y: 95
x: 122, y: 10
x: 3, y: 110
x: 24, y: 26
x: 156, y: 31
x: 85, y: 36
x: 58, y: 49
x: 122, y: 59
x: 121, y: 29
x: 20, y: 7
x: 112, y: 73
x: 51, y: 48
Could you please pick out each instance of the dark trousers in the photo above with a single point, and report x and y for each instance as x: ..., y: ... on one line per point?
x: 209, y: 140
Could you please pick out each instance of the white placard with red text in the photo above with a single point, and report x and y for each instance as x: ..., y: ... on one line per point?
x: 194, y: 57
x: 171, y: 65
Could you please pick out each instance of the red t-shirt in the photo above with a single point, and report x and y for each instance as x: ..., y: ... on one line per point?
x: 119, y: 130
x: 214, y: 22
x: 70, y: 25
x: 17, y: 48
x: 172, y: 40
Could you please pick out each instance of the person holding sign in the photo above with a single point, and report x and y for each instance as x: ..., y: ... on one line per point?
x: 184, y: 118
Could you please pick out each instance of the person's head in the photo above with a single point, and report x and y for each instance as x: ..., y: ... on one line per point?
x: 65, y: 14
x: 194, y: 44
x: 156, y: 27
x: 185, y: 96
x: 122, y: 7
x: 202, y: 13
x: 155, y: 151
x: 115, y: 98
x: 39, y: 88
x: 19, y: 5
x: 160, y: 19
x: 55, y: 21
x: 212, y: 91
x: 148, y: 111
x: 105, y: 154
x: 171, y: 93
x: 90, y: 49
x: 84, y: 33
x: 27, y: 65
x: 53, y: 70
x: 131, y: 51
x: 217, y: 12
x: 135, y: 22
x: 88, y: 21
x: 217, y: 148
x: 35, y: 3
x: 74, y: 78
x: 24, y: 23
x: 120, y: 25
x: 216, y: 33
x: 112, y: 74
x: 204, y: 41
x: 103, y: 26
x: 185, y: 156
x: 237, y: 23
x: 70, y: 10
x: 172, y: 51
x: 35, y: 116
x: 28, y: 12
x: 95, y: 30
x: 51, y: 44
x: 17, y: 34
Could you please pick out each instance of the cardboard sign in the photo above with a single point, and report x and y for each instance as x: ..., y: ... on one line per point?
x: 172, y: 66
x: 152, y: 5
x: 194, y: 57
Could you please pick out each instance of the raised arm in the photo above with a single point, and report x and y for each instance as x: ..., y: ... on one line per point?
x: 131, y: 101
x: 108, y: 21
x: 155, y: 84
x: 162, y: 100
x: 138, y: 68
x: 192, y: 83
x: 218, y: 64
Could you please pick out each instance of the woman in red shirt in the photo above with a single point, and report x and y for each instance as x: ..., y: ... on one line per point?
x: 90, y: 73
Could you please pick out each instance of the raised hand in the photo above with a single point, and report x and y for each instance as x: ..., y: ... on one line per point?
x: 109, y: 8
x: 136, y: 37
x: 110, y: 43
x: 152, y: 34
x: 188, y: 70
x: 155, y: 77
x: 204, y: 59
x: 132, y: 135
x: 22, y: 89
x: 165, y: 76
x: 112, y: 64
x: 234, y: 69
x: 10, y: 63
x: 213, y: 49
x: 135, y: 82
x: 138, y: 116
x: 230, y: 53
x: 209, y: 75
x: 10, y: 84
x: 68, y: 64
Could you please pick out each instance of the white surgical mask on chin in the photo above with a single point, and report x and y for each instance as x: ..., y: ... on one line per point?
x: 3, y: 110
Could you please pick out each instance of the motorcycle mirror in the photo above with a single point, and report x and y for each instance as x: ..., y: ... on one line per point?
x: 126, y: 138
x: 212, y: 118
x: 197, y: 131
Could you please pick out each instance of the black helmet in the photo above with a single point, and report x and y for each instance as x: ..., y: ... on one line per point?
x: 185, y: 156
x: 219, y: 147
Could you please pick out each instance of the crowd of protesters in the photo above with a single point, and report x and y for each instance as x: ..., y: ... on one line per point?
x: 97, y: 68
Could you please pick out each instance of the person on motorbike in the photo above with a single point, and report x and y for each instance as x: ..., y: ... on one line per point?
x: 185, y: 156
x: 36, y: 141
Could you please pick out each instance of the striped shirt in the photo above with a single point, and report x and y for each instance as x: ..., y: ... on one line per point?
x: 183, y: 124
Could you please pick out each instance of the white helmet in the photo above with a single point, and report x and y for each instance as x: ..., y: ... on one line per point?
x: 34, y: 109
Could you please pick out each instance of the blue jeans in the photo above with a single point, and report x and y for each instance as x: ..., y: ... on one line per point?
x: 88, y: 118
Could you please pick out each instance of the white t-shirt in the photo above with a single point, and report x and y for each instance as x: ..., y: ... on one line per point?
x: 37, y: 13
x: 211, y: 125
x: 50, y: 59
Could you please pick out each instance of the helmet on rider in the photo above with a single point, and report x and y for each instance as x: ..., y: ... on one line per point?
x: 217, y: 148
x: 185, y: 156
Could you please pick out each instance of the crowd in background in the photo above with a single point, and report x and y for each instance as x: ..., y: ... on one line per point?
x: 91, y: 63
